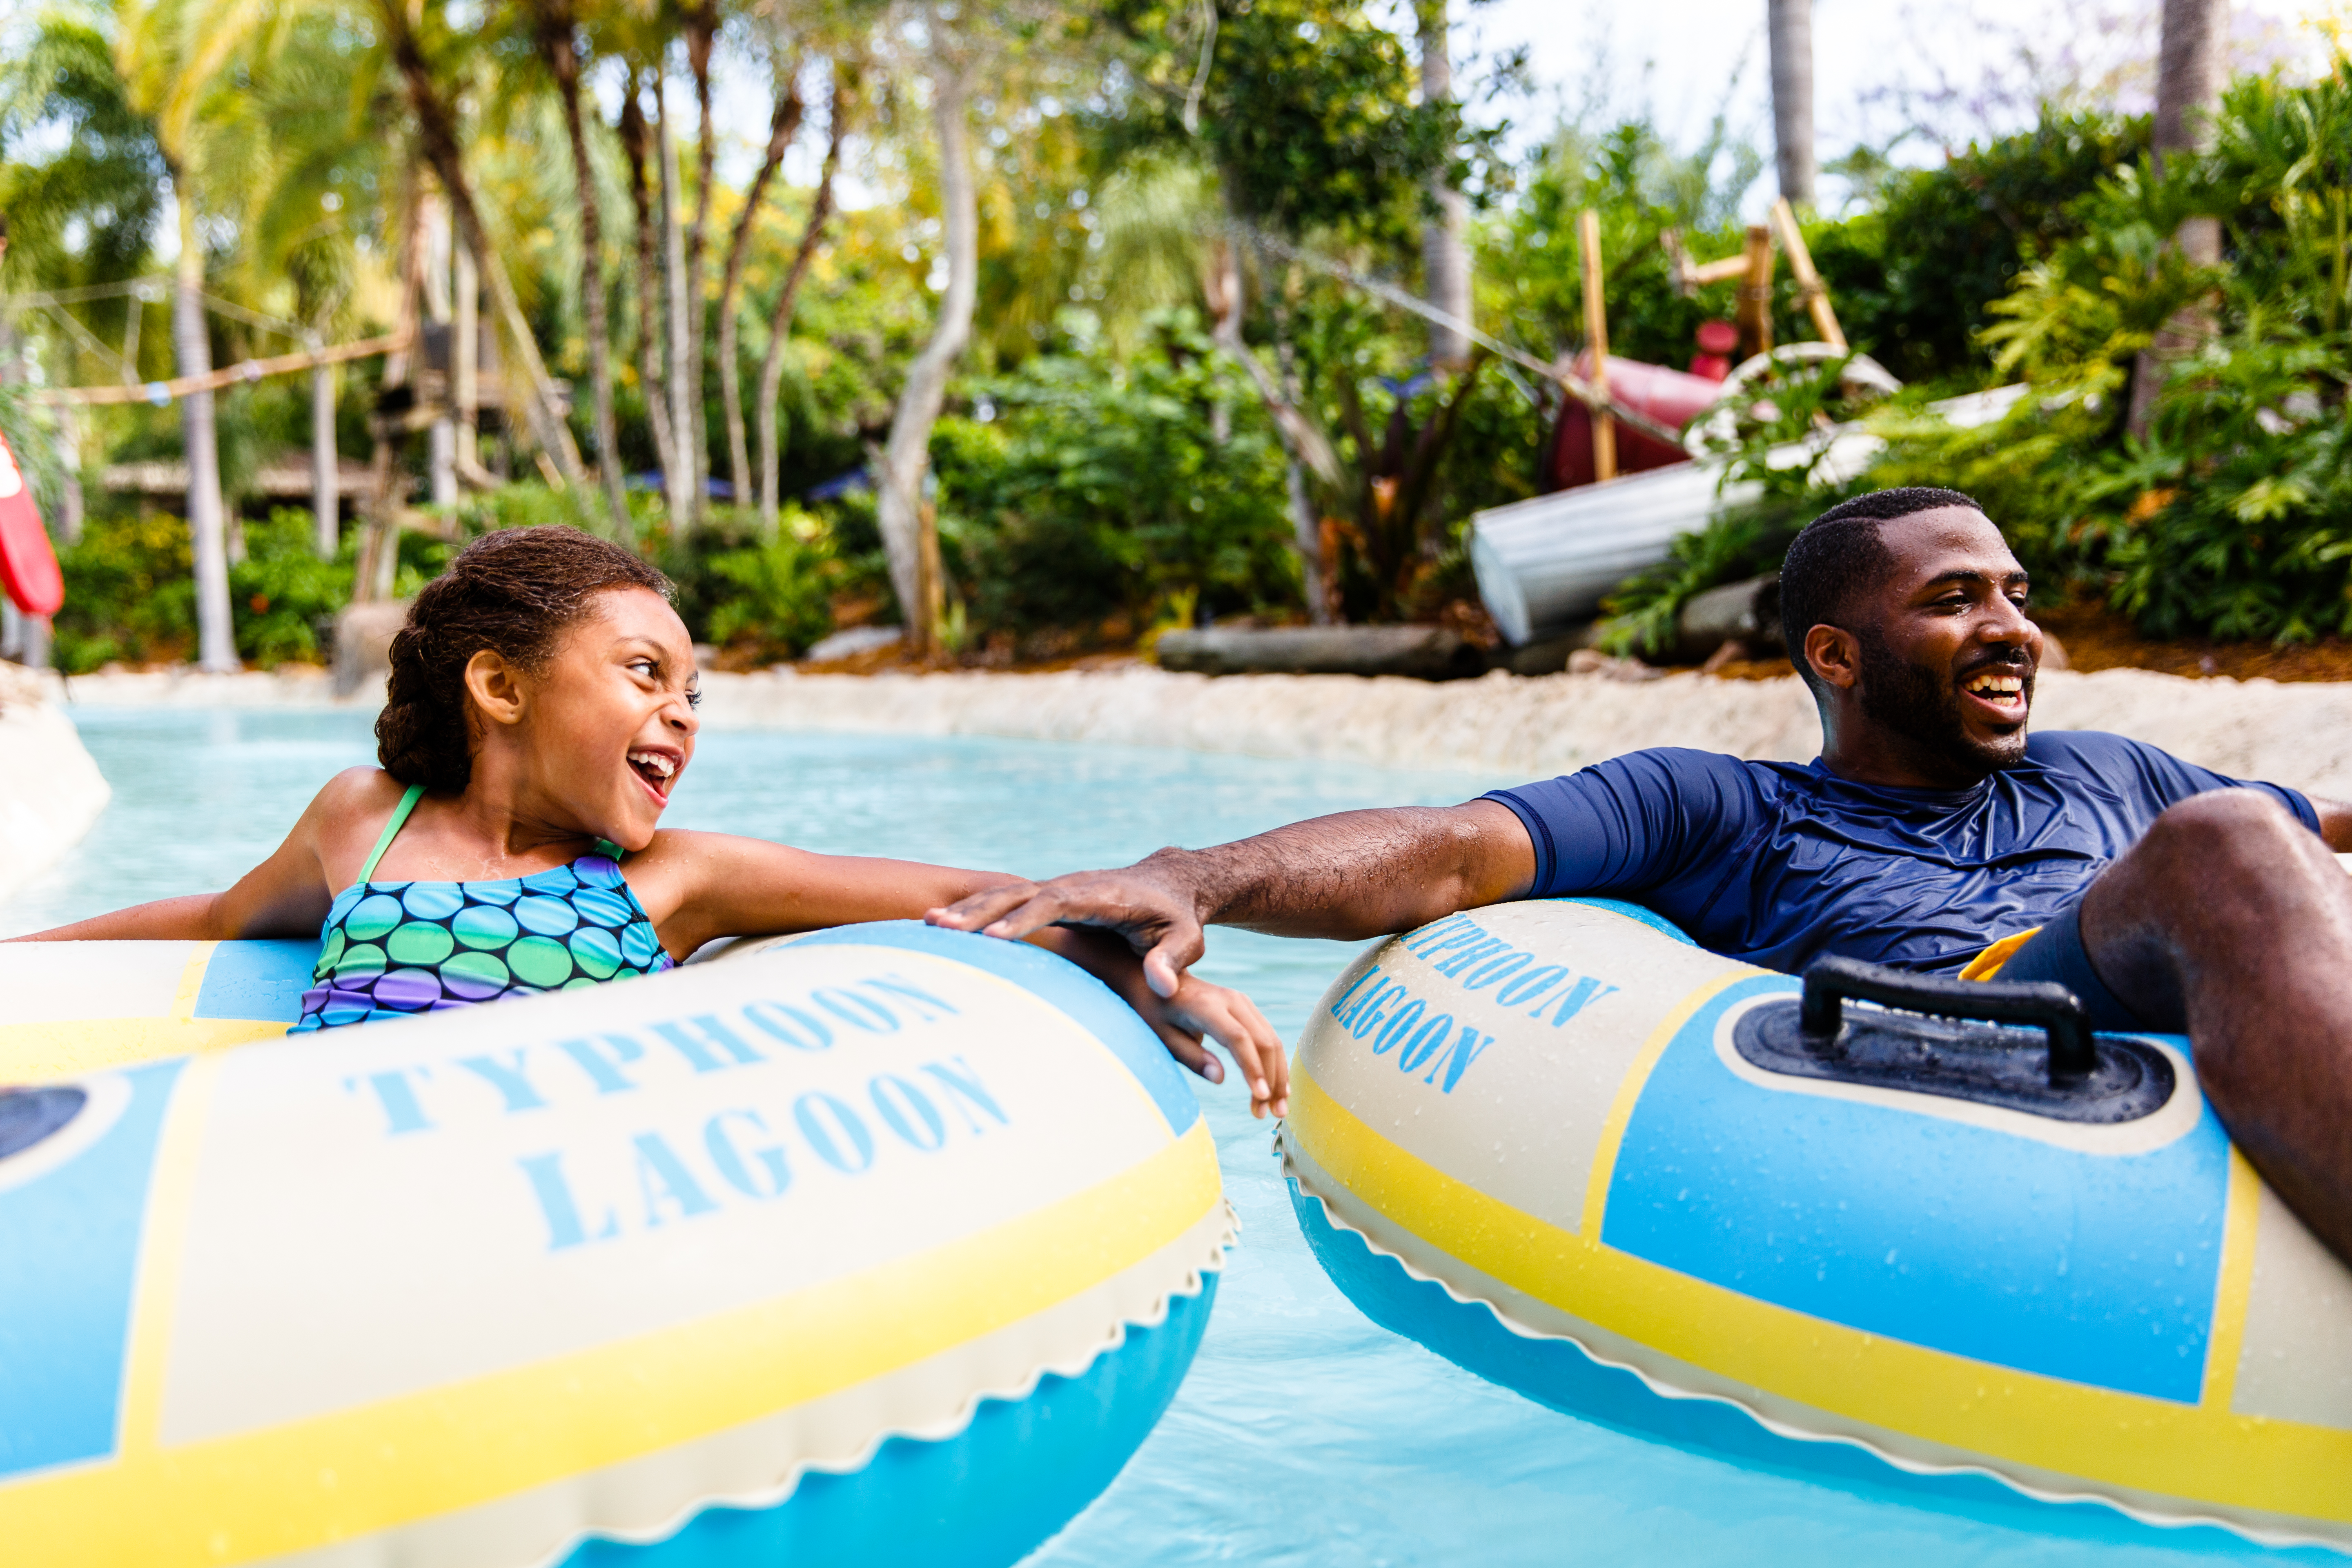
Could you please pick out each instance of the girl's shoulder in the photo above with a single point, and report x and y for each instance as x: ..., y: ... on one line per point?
x: 345, y: 816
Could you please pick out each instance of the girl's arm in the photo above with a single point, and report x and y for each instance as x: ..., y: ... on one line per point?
x: 285, y: 895
x: 699, y: 887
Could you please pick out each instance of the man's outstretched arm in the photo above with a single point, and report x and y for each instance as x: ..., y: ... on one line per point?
x: 1358, y: 874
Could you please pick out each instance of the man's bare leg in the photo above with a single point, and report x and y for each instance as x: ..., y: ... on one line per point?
x: 2233, y: 919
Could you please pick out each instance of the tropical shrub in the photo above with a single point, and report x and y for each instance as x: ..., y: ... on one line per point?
x: 1098, y: 488
x: 2232, y: 514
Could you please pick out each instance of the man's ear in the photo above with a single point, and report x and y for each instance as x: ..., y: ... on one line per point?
x: 1833, y: 651
x: 496, y: 688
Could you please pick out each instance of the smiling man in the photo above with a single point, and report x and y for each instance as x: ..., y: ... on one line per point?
x: 1931, y: 834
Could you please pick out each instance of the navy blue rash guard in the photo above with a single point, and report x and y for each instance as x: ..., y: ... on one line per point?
x: 1777, y: 863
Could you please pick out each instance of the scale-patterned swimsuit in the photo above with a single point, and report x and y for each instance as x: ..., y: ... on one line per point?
x: 396, y: 949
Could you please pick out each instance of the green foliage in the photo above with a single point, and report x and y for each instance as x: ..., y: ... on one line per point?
x: 762, y: 597
x: 2233, y: 516
x: 1310, y: 111
x: 82, y: 178
x: 281, y: 592
x: 2251, y: 444
x: 129, y: 593
x: 1102, y: 486
x: 1915, y: 279
x: 774, y: 596
x: 530, y: 504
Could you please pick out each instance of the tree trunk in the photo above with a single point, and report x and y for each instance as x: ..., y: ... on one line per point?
x: 701, y: 33
x: 556, y: 27
x: 216, y: 636
x: 2188, y: 88
x: 1302, y: 444
x: 326, y: 467
x: 1790, y: 25
x: 437, y: 136
x: 441, y: 440
x: 1444, y: 241
x: 903, y: 518
x: 687, y: 438
x: 466, y: 366
x: 637, y: 144
x: 843, y: 113
x: 782, y: 126
x: 70, y: 511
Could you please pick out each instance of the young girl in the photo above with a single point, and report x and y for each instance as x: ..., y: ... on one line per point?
x: 540, y: 711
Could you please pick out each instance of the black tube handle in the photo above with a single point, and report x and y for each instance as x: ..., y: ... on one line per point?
x: 2040, y: 1004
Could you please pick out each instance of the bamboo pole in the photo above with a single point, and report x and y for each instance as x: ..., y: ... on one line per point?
x: 1810, y: 287
x: 1596, y: 334
x: 163, y: 392
x: 1756, y: 294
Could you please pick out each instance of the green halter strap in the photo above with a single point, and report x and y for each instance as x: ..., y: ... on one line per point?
x: 399, y: 814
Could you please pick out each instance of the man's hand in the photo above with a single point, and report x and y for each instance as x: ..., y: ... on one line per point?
x: 1150, y: 904
x: 1355, y: 875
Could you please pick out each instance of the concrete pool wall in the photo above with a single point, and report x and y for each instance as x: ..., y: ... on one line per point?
x: 51, y: 791
x: 2292, y: 734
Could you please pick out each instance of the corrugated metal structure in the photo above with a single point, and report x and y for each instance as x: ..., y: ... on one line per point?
x: 1548, y: 563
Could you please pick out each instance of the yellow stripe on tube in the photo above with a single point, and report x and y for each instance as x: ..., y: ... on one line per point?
x: 46, y: 1052
x: 1968, y: 1409
x: 266, y: 1493
x: 2235, y: 1287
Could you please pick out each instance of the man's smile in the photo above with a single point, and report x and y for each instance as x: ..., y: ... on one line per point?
x: 2000, y: 689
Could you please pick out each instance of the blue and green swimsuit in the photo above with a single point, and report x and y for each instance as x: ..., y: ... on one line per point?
x: 392, y: 949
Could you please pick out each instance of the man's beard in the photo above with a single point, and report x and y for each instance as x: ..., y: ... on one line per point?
x: 1923, y: 705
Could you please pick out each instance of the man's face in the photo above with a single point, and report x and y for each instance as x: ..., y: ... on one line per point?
x: 1947, y: 657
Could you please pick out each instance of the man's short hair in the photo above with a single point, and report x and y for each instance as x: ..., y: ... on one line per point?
x: 1839, y: 554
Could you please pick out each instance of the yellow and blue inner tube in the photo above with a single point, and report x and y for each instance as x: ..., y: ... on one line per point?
x: 883, y: 1244
x: 1542, y: 1139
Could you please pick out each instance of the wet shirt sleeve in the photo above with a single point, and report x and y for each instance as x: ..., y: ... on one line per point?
x: 2152, y: 779
x: 1635, y: 823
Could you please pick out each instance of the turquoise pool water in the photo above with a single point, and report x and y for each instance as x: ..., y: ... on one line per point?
x: 1304, y: 1435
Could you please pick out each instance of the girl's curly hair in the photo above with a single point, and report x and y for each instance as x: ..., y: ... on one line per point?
x: 515, y: 593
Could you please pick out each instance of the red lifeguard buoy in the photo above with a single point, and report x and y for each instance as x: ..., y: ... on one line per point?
x: 29, y: 567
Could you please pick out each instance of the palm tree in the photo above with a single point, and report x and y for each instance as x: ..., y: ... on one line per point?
x: 180, y: 61
x: 1445, y: 238
x: 637, y: 151
x: 783, y: 124
x: 842, y: 116
x: 951, y: 61
x: 555, y: 29
x: 2187, y: 86
x: 1790, y: 24
x: 700, y: 20
x: 433, y: 105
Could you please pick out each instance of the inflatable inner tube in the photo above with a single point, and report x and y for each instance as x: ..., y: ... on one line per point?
x: 884, y: 1244
x: 1579, y: 1157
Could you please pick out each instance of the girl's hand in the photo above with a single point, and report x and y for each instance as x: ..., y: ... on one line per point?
x: 1199, y: 1009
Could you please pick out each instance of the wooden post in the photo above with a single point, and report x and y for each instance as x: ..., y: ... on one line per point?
x: 1756, y: 295
x: 326, y: 466
x: 1810, y: 287
x: 1596, y: 333
x: 465, y: 362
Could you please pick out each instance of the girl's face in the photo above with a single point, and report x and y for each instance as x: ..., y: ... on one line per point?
x: 610, y: 721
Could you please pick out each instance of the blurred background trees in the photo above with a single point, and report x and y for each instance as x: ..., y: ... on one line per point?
x: 1036, y: 327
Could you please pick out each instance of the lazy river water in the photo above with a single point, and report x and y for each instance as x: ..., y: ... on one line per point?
x: 1304, y: 1433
